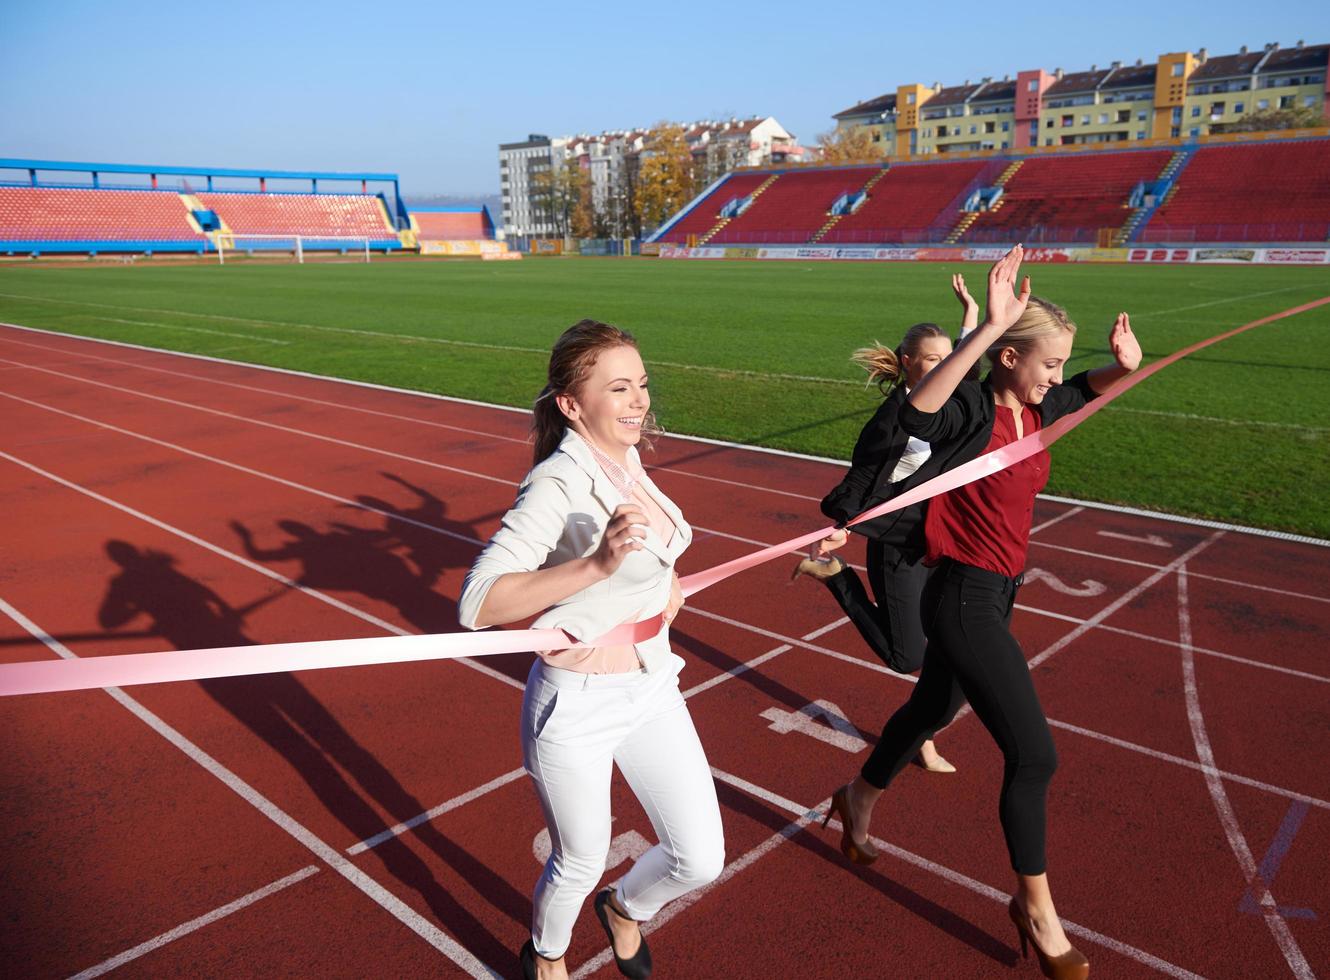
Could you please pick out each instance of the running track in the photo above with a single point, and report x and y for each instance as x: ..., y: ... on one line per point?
x: 375, y: 821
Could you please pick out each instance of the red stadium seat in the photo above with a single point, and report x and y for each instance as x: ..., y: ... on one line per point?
x: 910, y: 203
x: 795, y: 206
x: 704, y: 216
x: 57, y: 214
x: 1067, y: 198
x: 310, y: 215
x: 1276, y: 191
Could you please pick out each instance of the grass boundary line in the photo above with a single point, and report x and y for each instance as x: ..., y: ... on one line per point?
x: 789, y: 454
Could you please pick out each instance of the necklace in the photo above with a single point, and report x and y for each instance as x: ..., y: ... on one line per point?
x: 619, y: 477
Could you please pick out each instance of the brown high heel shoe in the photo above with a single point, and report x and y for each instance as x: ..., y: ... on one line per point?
x: 864, y: 853
x: 1071, y: 965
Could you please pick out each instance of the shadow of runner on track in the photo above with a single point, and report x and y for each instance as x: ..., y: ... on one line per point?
x: 281, y: 711
x: 822, y: 845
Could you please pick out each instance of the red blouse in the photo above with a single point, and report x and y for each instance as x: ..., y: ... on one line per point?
x: 987, y: 523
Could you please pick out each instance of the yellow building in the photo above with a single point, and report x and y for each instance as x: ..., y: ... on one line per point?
x: 968, y: 117
x: 1180, y: 95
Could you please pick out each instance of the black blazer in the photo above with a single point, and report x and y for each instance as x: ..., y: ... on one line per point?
x: 957, y: 433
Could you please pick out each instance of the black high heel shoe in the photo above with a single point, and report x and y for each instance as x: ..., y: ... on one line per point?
x: 637, y: 966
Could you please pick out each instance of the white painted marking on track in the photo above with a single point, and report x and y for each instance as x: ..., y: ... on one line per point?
x: 390, y: 903
x: 457, y: 801
x: 764, y: 450
x: 1153, y: 540
x: 1228, y: 818
x: 1071, y: 512
x: 193, y: 925
x: 1087, y: 589
x: 956, y: 877
x: 838, y: 730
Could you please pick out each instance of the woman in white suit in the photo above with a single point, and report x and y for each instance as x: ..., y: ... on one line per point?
x: 591, y: 544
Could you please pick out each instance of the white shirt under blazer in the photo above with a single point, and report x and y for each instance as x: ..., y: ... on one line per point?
x: 562, y: 509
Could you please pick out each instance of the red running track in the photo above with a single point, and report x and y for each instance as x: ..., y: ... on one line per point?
x: 255, y: 825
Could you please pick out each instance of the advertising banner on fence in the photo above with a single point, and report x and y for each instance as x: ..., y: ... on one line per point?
x: 1037, y: 253
x: 462, y: 247
x: 1297, y: 256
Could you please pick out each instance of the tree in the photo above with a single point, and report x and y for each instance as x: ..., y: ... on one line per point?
x: 1295, y: 117
x: 853, y: 144
x: 555, y: 194
x: 665, y: 176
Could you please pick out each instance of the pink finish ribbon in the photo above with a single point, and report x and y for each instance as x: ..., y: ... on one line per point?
x: 83, y: 673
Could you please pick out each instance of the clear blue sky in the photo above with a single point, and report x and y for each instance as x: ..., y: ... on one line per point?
x: 429, y: 89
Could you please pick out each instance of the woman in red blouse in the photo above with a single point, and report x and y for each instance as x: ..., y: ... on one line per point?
x: 977, y: 536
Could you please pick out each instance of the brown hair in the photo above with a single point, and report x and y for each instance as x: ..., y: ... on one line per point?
x: 1041, y: 319
x: 574, y: 355
x: 884, y: 364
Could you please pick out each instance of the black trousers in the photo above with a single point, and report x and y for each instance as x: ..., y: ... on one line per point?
x: 891, y: 623
x: 971, y: 655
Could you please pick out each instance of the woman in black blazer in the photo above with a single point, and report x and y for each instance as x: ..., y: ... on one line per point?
x: 887, y: 462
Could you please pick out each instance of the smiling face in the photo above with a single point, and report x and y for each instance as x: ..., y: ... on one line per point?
x: 612, y: 402
x: 1030, y: 375
x: 928, y: 355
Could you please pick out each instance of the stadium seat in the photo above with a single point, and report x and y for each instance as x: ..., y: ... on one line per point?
x: 910, y: 203
x: 794, y: 207
x: 1067, y: 198
x: 310, y: 215
x: 444, y: 226
x: 705, y: 214
x: 1273, y: 191
x: 58, y: 214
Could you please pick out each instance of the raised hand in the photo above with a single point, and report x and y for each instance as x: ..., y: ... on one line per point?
x: 623, y: 536
x: 1126, y: 348
x: 967, y: 301
x: 1004, y: 305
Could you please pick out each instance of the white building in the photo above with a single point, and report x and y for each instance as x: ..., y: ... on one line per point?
x: 518, y: 163
x: 610, y: 161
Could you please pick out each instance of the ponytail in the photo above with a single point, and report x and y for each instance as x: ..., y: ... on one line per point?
x: 884, y: 364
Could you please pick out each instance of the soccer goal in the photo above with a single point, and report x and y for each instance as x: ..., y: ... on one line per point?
x: 294, y: 246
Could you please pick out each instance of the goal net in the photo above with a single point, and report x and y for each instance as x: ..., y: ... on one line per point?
x: 296, y: 247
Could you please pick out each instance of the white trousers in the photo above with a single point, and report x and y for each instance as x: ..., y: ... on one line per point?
x: 574, y: 728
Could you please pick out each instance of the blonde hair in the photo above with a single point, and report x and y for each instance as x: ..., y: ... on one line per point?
x: 574, y: 355
x: 884, y: 364
x: 1041, y: 319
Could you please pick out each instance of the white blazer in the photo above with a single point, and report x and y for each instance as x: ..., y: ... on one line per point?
x: 562, y: 509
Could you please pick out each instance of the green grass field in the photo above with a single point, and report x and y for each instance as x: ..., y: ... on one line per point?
x: 758, y: 352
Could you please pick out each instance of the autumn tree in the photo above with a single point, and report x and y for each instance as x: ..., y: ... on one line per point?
x: 852, y: 144
x: 556, y: 194
x: 1294, y: 117
x: 665, y: 176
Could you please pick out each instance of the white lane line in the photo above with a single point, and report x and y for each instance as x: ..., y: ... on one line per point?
x: 444, y: 807
x: 1228, y: 818
x: 193, y: 925
x: 1129, y: 596
x: 382, y: 624
x: 684, y: 902
x: 174, y: 326
x: 1208, y: 578
x: 390, y: 903
x: 1178, y: 760
x: 721, y: 443
x: 758, y: 661
x: 957, y: 878
x: 266, y: 425
x: 1072, y: 512
x: 1246, y: 661
x: 249, y: 471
